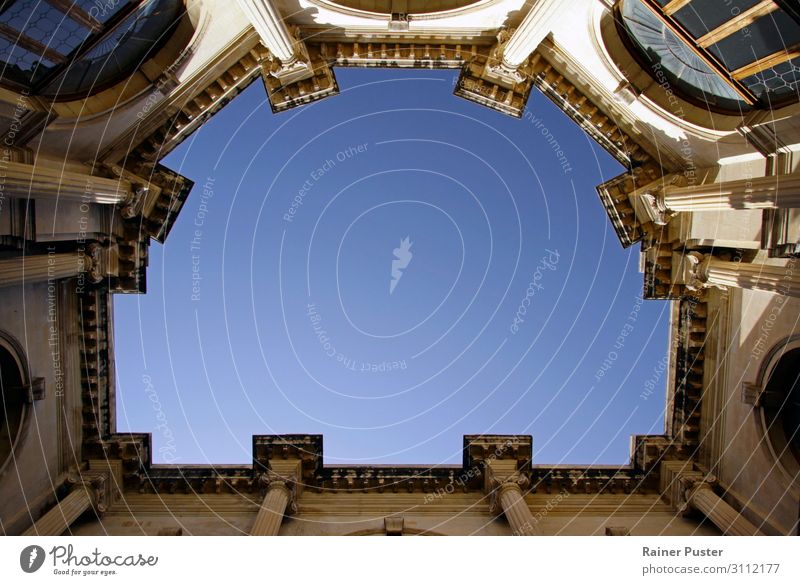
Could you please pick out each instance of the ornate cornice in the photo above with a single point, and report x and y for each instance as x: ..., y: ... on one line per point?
x: 93, y: 317
x: 297, y: 460
x: 615, y: 197
x: 479, y: 449
x: 686, y: 399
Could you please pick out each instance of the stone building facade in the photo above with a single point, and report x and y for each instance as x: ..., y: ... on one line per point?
x: 707, y: 131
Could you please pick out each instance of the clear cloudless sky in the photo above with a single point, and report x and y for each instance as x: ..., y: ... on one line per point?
x: 270, y: 308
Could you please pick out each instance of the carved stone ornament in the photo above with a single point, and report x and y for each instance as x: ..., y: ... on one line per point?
x: 495, y: 66
x: 299, y: 66
x: 690, y: 485
x: 654, y: 208
x: 269, y: 480
x: 95, y: 262
x: 516, y: 481
x: 132, y: 203
x: 96, y: 485
x: 695, y: 271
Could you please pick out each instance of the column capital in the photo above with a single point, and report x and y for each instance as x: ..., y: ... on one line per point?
x: 501, y: 476
x: 283, y: 475
x: 649, y: 205
x: 649, y: 201
x: 689, y: 486
x: 96, y: 483
x: 535, y: 26
x: 270, y: 480
x: 693, y: 270
x: 282, y: 40
x: 498, y: 485
x: 680, y: 481
x: 697, y: 271
x: 102, y: 261
x: 131, y: 206
x: 496, y: 66
x: 298, y: 67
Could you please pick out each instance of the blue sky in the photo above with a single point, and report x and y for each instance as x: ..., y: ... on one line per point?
x: 271, y: 308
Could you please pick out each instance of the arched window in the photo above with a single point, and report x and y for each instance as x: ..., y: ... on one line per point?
x: 728, y: 56
x: 781, y: 403
x: 13, y: 403
x: 70, y: 49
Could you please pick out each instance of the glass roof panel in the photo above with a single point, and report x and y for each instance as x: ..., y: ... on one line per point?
x: 776, y: 84
x: 702, y: 16
x: 682, y: 66
x: 101, y: 10
x: 125, y: 47
x: 769, y: 34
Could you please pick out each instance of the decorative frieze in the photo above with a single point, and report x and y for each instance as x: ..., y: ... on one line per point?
x: 506, y: 96
x: 660, y: 282
x: 286, y: 92
x: 176, y: 123
x: 400, y: 54
x: 615, y: 197
x: 96, y: 369
x: 272, y: 453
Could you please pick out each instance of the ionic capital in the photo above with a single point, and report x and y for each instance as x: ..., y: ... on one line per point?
x: 497, y: 68
x: 102, y: 261
x: 271, y: 480
x: 650, y: 202
x: 694, y: 270
x: 653, y: 208
x: 132, y: 204
x: 689, y: 485
x: 502, y: 477
x: 97, y: 485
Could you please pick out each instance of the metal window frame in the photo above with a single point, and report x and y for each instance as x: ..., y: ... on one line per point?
x: 98, y: 33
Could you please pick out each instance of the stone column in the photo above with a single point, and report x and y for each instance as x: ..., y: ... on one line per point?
x: 773, y: 192
x: 702, y: 498
x: 280, y: 496
x: 705, y: 270
x: 41, y: 267
x: 690, y: 491
x: 276, y: 36
x: 519, y: 516
x: 40, y: 182
x: 89, y: 490
x: 97, y: 261
x: 505, y: 485
x: 536, y: 25
x: 663, y: 200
